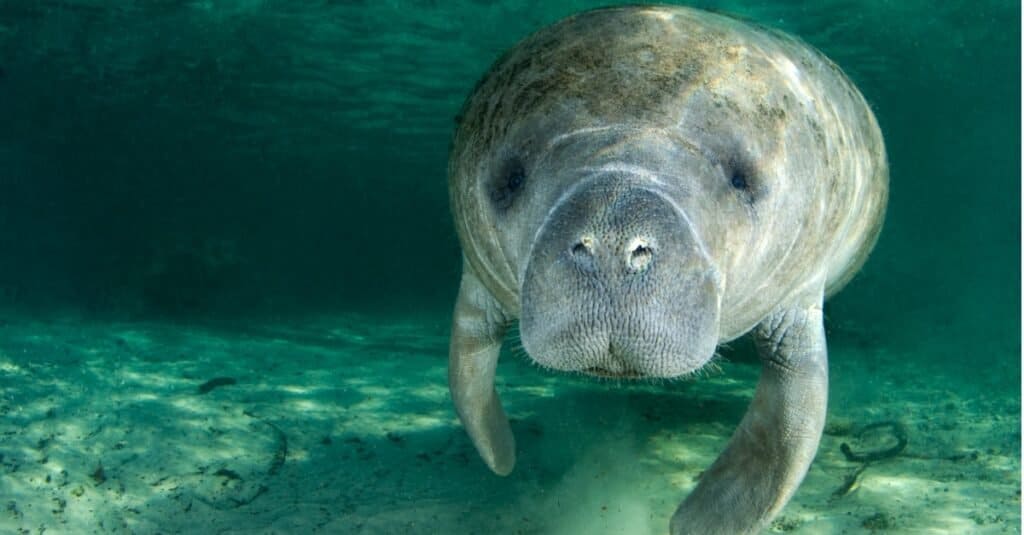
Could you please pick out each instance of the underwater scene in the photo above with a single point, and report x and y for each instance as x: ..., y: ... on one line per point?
x: 261, y: 262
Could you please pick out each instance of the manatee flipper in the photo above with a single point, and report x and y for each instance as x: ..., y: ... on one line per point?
x: 478, y: 328
x: 770, y: 452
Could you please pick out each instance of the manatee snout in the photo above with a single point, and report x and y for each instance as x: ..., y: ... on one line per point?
x: 618, y: 284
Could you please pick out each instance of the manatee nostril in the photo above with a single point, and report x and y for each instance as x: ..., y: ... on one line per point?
x: 640, y: 255
x: 582, y: 254
x: 584, y: 247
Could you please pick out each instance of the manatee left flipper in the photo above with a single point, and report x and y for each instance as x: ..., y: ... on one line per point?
x: 478, y: 328
x: 771, y: 450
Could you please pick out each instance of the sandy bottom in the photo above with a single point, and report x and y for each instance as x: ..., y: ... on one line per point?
x: 343, y: 425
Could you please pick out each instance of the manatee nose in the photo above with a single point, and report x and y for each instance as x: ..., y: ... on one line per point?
x: 636, y: 256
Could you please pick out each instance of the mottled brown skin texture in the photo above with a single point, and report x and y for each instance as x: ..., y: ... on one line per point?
x: 637, y: 185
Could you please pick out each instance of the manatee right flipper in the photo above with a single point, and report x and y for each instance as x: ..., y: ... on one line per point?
x: 478, y: 328
x: 771, y: 450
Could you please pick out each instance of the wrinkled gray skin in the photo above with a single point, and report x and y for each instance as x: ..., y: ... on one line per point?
x: 638, y: 185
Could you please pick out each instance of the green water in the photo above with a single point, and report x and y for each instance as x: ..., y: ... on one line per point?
x: 187, y: 170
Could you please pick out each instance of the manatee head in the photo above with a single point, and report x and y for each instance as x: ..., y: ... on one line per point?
x: 609, y: 190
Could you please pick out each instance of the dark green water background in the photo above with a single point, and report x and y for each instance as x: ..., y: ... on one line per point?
x: 215, y: 158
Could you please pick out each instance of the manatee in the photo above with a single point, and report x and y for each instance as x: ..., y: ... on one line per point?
x: 638, y: 185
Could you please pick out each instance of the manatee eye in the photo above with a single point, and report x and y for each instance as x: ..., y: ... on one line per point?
x: 738, y: 180
x: 507, y: 182
x: 516, y: 176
